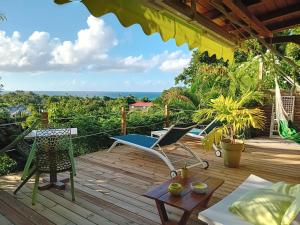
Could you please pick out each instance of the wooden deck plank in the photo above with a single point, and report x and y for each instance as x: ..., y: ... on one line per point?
x: 23, y: 210
x: 97, y: 208
x: 44, y: 211
x: 109, y: 186
x: 4, y: 220
x: 122, y: 192
x: 61, y: 210
x: 13, y: 215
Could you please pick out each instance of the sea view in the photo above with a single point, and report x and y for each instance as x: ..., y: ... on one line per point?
x: 111, y: 94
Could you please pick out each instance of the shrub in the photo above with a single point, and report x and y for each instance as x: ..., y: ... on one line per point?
x: 7, y: 165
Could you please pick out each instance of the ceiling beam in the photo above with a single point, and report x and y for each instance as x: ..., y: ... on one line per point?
x: 283, y: 25
x: 215, y: 14
x: 185, y: 10
x: 284, y: 39
x: 280, y: 14
x: 217, y: 4
x: 244, y: 14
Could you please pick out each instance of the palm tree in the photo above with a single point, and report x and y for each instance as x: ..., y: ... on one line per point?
x: 179, y: 97
x: 2, y: 17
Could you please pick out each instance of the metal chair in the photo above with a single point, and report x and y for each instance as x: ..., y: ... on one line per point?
x: 52, y: 153
x: 155, y: 146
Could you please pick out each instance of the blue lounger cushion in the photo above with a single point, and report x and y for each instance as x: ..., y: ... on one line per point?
x: 138, y: 139
x: 195, y: 131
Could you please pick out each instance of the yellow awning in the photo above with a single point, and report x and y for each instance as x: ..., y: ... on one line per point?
x: 164, y: 22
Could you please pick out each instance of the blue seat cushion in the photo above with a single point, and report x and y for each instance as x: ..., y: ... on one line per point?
x: 195, y: 131
x: 138, y: 139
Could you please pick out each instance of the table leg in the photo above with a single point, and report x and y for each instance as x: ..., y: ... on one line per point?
x: 162, y: 212
x: 185, y: 217
x: 53, y: 183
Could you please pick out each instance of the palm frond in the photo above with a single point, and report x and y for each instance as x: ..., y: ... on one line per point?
x: 2, y: 17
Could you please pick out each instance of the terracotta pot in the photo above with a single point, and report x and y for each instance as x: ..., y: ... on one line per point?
x: 232, y: 153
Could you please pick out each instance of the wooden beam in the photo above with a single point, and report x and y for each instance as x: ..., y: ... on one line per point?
x: 280, y: 14
x: 185, y: 10
x: 284, y: 39
x: 217, y: 4
x: 244, y: 14
x: 283, y: 25
x: 215, y: 14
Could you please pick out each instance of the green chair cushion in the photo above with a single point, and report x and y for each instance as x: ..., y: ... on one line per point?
x: 262, y: 207
x: 291, y: 190
x: 287, y: 189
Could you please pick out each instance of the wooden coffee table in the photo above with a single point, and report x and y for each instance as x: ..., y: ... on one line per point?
x: 187, y: 201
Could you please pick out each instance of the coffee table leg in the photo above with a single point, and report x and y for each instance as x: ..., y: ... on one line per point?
x: 162, y: 211
x: 185, y: 217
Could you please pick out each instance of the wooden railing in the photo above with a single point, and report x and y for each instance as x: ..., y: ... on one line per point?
x: 45, y: 119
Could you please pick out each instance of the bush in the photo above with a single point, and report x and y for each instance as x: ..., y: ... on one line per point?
x: 7, y: 165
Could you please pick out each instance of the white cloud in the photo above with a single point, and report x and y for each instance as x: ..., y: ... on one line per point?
x: 175, y: 62
x: 166, y: 61
x: 91, y: 45
x: 90, y: 51
x: 40, y: 52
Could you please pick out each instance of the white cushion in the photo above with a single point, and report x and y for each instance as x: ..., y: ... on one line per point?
x: 219, y: 214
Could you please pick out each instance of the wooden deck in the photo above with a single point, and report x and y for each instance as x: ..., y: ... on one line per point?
x: 109, y: 186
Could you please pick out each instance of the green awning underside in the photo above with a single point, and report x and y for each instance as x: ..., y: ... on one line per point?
x: 164, y: 22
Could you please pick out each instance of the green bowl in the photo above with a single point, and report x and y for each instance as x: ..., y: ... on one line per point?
x: 199, y: 187
x: 175, y: 189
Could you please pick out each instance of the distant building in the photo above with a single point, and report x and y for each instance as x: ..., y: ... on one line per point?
x: 140, y: 105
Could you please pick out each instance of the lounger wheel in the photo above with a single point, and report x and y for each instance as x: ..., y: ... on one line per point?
x: 173, y: 173
x: 218, y: 153
x: 205, y: 164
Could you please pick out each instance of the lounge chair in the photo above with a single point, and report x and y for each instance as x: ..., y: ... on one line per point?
x: 219, y: 214
x: 198, y: 133
x: 154, y: 146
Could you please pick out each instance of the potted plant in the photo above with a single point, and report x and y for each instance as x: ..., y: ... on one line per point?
x: 235, y: 118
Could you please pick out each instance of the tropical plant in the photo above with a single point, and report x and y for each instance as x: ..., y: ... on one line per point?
x: 233, y: 115
x: 178, y: 97
x: 2, y: 16
x: 1, y: 86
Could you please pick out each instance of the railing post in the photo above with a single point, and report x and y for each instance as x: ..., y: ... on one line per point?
x: 167, y: 116
x: 44, y: 119
x: 123, y: 120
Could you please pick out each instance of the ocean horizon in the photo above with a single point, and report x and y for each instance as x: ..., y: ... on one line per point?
x: 111, y: 94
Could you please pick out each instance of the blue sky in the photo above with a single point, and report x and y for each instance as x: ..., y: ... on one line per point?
x: 44, y: 46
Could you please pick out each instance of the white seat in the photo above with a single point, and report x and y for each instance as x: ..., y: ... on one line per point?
x: 219, y: 214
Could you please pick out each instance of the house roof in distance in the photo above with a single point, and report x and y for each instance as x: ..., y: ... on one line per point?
x: 141, y: 104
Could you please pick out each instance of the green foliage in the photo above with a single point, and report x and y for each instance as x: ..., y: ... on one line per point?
x: 7, y: 165
x: 210, y: 82
x: 292, y: 50
x: 191, y: 71
x: 143, y: 122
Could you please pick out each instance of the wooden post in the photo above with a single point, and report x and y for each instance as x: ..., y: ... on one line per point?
x: 167, y: 116
x: 123, y: 120
x: 45, y: 119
